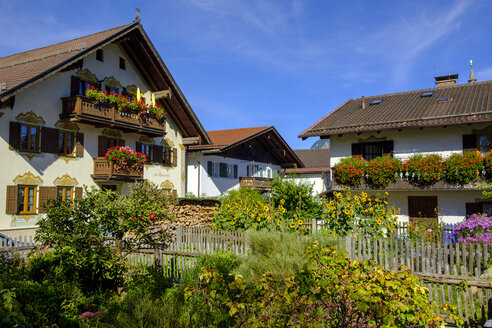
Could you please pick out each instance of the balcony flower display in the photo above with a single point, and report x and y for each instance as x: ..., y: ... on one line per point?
x: 349, y: 171
x: 424, y: 170
x: 487, y: 165
x: 463, y: 168
x: 123, y: 103
x: 476, y: 229
x: 126, y: 158
x: 382, y: 171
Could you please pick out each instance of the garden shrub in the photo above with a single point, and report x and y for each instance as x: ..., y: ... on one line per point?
x: 424, y: 170
x: 476, y: 229
x: 349, y: 171
x: 347, y: 213
x: 329, y: 291
x: 487, y: 165
x: 296, y: 197
x: 381, y: 171
x: 463, y: 168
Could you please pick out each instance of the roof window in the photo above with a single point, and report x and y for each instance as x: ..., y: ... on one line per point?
x: 443, y: 99
x: 426, y: 94
x: 376, y: 101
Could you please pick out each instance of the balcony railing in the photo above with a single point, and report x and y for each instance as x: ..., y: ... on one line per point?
x: 104, y: 170
x: 83, y: 109
x: 263, y: 184
x: 404, y: 185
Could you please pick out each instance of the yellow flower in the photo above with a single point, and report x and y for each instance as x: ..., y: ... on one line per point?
x: 252, y: 215
x: 299, y: 222
x: 364, y: 194
x: 363, y: 200
x: 347, y: 212
x: 279, y: 223
x: 265, y: 208
x: 293, y: 225
x: 376, y: 200
x: 356, y: 197
x: 282, y: 201
x: 258, y: 219
x: 282, y: 210
x: 295, y: 215
x: 386, y: 193
x: 255, y: 226
x: 269, y: 218
x: 322, y: 216
x: 309, y: 227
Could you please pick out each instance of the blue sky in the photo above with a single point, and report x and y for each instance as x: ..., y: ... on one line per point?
x: 283, y: 63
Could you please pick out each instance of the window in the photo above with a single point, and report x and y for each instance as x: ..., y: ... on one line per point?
x: 26, y: 199
x: 484, y: 143
x: 376, y: 101
x: 253, y: 170
x: 65, y: 193
x: 104, y: 143
x: 167, y: 156
x: 29, y: 138
x: 122, y: 63
x: 372, y: 150
x: 100, y: 55
x: 167, y: 192
x: 66, y: 143
x: 145, y: 149
x: 422, y: 209
x: 109, y: 89
x: 426, y: 94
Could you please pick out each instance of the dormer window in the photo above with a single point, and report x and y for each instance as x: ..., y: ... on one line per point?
x: 100, y: 55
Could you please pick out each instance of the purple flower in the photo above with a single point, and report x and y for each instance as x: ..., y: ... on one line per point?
x: 476, y: 229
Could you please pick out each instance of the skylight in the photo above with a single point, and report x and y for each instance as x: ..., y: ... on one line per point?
x: 376, y: 101
x: 443, y: 99
x: 426, y: 94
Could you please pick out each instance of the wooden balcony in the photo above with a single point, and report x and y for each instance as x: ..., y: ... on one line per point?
x: 263, y: 184
x: 84, y: 110
x: 404, y: 185
x: 104, y: 170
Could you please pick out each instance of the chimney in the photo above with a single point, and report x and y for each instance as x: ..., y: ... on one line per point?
x: 363, y: 102
x: 446, y: 80
x: 471, y: 78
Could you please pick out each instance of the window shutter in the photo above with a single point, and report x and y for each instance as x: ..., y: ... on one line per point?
x: 357, y: 150
x: 74, y: 87
x: 121, y: 142
x: 247, y: 170
x: 469, y: 142
x: 101, y: 146
x: 156, y: 154
x: 235, y: 171
x: 11, y: 207
x: 388, y: 148
x: 78, y: 192
x: 175, y: 193
x: 472, y: 208
x: 45, y: 194
x: 175, y: 156
x: 14, y: 135
x: 223, y: 170
x: 49, y: 140
x: 210, y: 168
x: 79, y: 147
x: 138, y: 146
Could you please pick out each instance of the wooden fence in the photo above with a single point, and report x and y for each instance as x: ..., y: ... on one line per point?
x: 454, y: 273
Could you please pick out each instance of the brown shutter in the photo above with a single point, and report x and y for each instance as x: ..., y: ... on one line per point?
x: 14, y: 135
x: 388, y: 148
x: 175, y: 193
x: 472, y: 208
x: 79, y: 147
x: 121, y: 142
x: 157, y: 154
x: 138, y: 146
x: 357, y: 150
x: 78, y: 192
x: 49, y: 140
x: 11, y: 206
x: 101, y: 146
x: 74, y: 87
x: 45, y: 194
x: 469, y: 142
x: 175, y: 157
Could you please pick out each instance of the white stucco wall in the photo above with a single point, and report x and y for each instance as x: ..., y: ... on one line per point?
x: 44, y: 100
x: 200, y: 183
x: 319, y: 181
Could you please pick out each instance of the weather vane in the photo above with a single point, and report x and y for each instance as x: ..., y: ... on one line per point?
x: 138, y: 15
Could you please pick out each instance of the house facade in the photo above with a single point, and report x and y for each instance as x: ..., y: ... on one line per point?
x: 54, y: 138
x: 316, y: 170
x: 237, y: 157
x: 443, y: 120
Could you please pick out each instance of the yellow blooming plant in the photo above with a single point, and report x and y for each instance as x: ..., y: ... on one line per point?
x: 347, y: 213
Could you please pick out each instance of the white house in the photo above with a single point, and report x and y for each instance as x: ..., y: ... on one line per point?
x: 237, y: 157
x: 316, y: 170
x: 444, y: 120
x: 53, y: 138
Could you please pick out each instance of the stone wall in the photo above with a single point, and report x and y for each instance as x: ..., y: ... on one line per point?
x: 193, y: 212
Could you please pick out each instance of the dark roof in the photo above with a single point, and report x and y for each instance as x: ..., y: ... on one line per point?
x: 22, y: 70
x: 467, y: 103
x: 223, y: 140
x: 315, y: 161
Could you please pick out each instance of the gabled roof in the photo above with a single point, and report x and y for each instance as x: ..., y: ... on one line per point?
x: 466, y: 103
x: 315, y: 161
x: 22, y: 70
x: 224, y: 140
